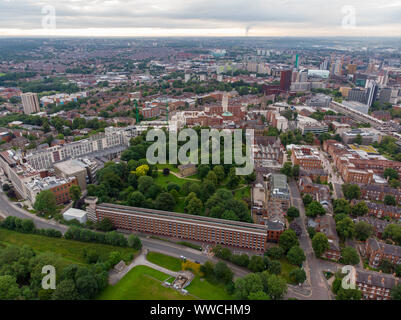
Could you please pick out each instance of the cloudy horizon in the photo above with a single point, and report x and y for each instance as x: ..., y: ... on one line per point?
x: 200, y: 18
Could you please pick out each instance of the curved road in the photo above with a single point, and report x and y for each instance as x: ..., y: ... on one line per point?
x: 8, y: 208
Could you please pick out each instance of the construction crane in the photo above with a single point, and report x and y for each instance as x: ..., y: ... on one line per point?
x: 136, y: 111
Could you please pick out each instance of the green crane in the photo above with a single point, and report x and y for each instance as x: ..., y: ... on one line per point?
x: 136, y: 110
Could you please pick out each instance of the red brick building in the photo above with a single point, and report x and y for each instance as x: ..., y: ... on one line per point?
x: 183, y: 226
x: 327, y: 225
x: 380, y: 210
x: 306, y: 157
x: 378, y: 192
x: 375, y: 285
x: 377, y: 251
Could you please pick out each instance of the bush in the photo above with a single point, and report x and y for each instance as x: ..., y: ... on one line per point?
x: 222, y: 253
x: 275, y: 253
x: 105, y: 225
x: 296, y: 256
x: 173, y: 186
x: 222, y: 272
x: 241, y: 260
x: 274, y: 267
x: 113, y: 238
x: 207, y: 269
x: 134, y: 242
x: 52, y: 233
x: 192, y: 266
x: 256, y: 264
x: 190, y: 245
x: 28, y: 226
x: 311, y: 232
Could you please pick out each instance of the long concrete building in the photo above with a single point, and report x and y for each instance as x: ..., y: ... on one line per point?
x: 183, y: 226
x: 111, y: 143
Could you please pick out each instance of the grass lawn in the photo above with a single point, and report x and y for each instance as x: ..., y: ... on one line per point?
x: 195, y: 176
x: 208, y: 291
x: 142, y: 283
x: 163, y: 180
x: 286, y: 268
x: 168, y: 262
x: 170, y: 166
x: 243, y: 193
x: 69, y: 249
x: 180, y: 205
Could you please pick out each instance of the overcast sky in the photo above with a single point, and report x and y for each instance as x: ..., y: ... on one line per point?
x: 201, y: 17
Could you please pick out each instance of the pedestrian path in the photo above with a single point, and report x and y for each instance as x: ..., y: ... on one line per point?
x: 138, y: 261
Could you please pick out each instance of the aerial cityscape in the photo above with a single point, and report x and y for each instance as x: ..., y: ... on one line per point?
x: 199, y: 167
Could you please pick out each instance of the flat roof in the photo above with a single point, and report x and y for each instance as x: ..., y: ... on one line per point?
x: 70, y: 166
x: 183, y: 216
x: 75, y: 213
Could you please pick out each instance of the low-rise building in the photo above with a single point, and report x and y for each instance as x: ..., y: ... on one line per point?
x: 375, y: 285
x: 60, y: 187
x: 378, y: 192
x: 84, y: 170
x: 306, y: 157
x: 381, y: 210
x: 378, y: 225
x: 377, y: 251
x: 75, y: 214
x: 326, y: 224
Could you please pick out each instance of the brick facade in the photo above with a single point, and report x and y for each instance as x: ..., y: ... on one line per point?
x: 183, y: 226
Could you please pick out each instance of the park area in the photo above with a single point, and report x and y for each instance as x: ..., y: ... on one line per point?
x: 199, y: 287
x: 70, y: 250
x: 143, y: 283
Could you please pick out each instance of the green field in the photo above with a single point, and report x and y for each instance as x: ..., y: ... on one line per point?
x: 162, y: 260
x: 195, y: 176
x: 286, y: 268
x: 2, y: 74
x: 199, y: 287
x: 70, y: 250
x: 205, y: 290
x: 180, y: 205
x: 142, y: 283
x: 243, y: 193
x: 163, y: 180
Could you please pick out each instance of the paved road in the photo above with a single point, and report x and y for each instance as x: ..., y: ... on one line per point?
x: 338, y: 192
x: 8, y: 208
x: 313, y: 267
x: 334, y: 177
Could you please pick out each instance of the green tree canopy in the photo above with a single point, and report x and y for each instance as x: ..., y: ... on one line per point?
x: 320, y: 243
x: 296, y: 256
x: 363, y: 230
x: 349, y: 256
x: 45, y: 203
x: 288, y: 239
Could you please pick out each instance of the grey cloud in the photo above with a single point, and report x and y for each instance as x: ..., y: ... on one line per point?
x: 26, y: 14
